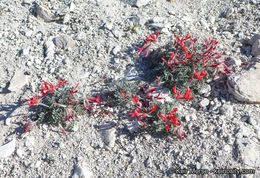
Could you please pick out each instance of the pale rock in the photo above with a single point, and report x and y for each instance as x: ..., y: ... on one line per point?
x: 254, y: 39
x: 204, y: 24
x: 256, y: 48
x: 20, y: 153
x: 64, y: 42
x: 82, y: 171
x: 49, y: 48
x: 109, y: 26
x: 26, y: 50
x: 29, y: 141
x: 116, y: 50
x: 108, y: 134
x: 7, y: 149
x: 18, y: 81
x: 246, y: 86
x: 228, y: 12
x: 211, y: 19
x: 140, y: 3
x: 157, y: 19
x: 28, y: 1
x: 66, y: 18
x: 28, y: 33
x: 190, y: 117
x: 250, y: 155
x: 133, y: 127
x: 81, y: 36
x: 45, y: 14
x: 204, y: 103
x: 246, y: 132
x: 205, y: 90
x: 227, y: 148
x: 72, y: 7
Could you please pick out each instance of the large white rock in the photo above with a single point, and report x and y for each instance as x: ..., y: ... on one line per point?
x: 18, y: 81
x: 250, y: 155
x: 245, y: 86
x: 7, y: 149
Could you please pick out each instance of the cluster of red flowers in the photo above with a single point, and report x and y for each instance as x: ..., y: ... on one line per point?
x: 186, y: 53
x: 143, y: 105
x: 46, y: 88
x: 147, y: 43
x: 144, y: 109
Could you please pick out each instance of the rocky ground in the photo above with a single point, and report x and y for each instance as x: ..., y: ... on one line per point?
x: 88, y: 40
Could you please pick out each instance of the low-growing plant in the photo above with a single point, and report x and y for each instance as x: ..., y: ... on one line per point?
x: 184, y: 62
x: 61, y: 107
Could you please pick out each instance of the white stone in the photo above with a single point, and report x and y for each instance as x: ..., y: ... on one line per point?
x: 133, y: 127
x: 109, y: 136
x: 256, y: 48
x: 250, y: 155
x: 72, y: 7
x: 81, y: 36
x: 204, y: 103
x: 227, y: 148
x: 45, y: 14
x: 49, y: 48
x: 246, y: 86
x: 140, y: 3
x: 116, y: 50
x: 254, y: 38
x: 211, y: 19
x: 82, y: 171
x: 64, y: 42
x: 66, y: 18
x: 20, y: 153
x: 109, y: 26
x: 18, y: 81
x: 204, y: 24
x: 29, y: 141
x: 26, y: 50
x: 7, y: 149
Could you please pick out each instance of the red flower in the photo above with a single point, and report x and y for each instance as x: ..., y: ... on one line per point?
x: 203, y: 73
x: 174, y: 89
x: 170, y: 119
x: 61, y: 83
x: 135, y: 99
x: 73, y: 91
x: 186, y: 96
x: 124, y: 95
x: 52, y: 89
x: 33, y: 101
x: 95, y: 100
x: 149, y: 39
x: 153, y: 108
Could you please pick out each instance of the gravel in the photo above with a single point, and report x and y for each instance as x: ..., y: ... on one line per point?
x: 85, y: 41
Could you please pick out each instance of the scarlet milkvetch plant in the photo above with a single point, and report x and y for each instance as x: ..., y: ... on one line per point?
x: 185, y: 62
x: 63, y: 106
x: 149, y: 111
